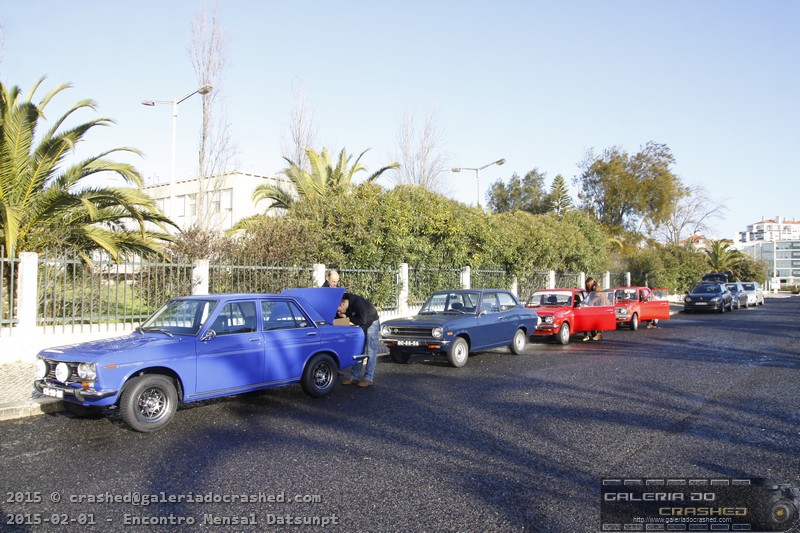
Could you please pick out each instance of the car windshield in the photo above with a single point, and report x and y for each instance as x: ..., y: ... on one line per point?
x: 732, y: 287
x: 626, y: 294
x: 451, y: 302
x: 550, y: 298
x: 749, y: 286
x: 707, y: 288
x: 184, y: 317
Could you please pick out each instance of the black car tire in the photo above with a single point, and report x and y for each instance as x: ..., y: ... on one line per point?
x: 319, y: 375
x: 83, y: 411
x: 634, y: 322
x: 519, y: 342
x: 399, y: 356
x: 722, y: 306
x: 563, y: 334
x: 738, y: 304
x: 148, y: 402
x: 458, y: 353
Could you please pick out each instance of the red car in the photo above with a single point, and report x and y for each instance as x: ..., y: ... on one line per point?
x: 640, y: 304
x: 565, y: 312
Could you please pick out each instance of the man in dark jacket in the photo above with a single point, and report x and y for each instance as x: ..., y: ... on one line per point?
x: 362, y: 313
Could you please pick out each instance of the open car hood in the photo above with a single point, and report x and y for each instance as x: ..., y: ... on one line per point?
x: 324, y: 301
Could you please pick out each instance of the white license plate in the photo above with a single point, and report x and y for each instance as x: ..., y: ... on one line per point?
x: 408, y: 343
x: 700, y: 303
x: 53, y: 393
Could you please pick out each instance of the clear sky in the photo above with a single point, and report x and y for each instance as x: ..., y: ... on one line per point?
x: 535, y: 82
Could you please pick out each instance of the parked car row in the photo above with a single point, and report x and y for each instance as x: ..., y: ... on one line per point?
x: 722, y: 296
x: 200, y: 347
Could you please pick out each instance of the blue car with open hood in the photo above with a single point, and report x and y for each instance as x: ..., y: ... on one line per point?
x: 200, y: 347
x: 455, y: 323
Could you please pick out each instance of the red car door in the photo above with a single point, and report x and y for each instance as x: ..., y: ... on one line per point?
x: 588, y: 317
x: 654, y: 304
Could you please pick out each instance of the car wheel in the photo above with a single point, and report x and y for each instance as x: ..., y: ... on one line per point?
x: 722, y: 306
x: 459, y: 352
x: 148, y: 402
x: 399, y: 356
x: 83, y: 411
x: 763, y: 301
x: 634, y: 322
x: 517, y: 345
x: 563, y: 333
x: 738, y: 305
x: 319, y: 375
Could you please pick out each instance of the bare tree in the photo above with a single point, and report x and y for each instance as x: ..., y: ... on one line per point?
x: 694, y: 212
x: 302, y: 128
x: 422, y: 162
x: 207, y: 50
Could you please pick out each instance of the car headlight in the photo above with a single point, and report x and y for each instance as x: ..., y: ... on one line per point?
x: 687, y: 300
x: 436, y: 333
x: 716, y: 298
x: 386, y: 331
x: 87, y: 371
x: 622, y: 310
x: 548, y: 320
x: 41, y: 368
x: 62, y: 372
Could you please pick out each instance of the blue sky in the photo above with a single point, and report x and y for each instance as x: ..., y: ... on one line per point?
x: 535, y: 82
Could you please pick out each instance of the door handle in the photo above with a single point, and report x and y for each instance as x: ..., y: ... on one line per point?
x: 255, y: 339
x: 311, y: 334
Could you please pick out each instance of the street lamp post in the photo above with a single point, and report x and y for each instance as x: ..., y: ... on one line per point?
x: 203, y: 90
x: 478, y: 174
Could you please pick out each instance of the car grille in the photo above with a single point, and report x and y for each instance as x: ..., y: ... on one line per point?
x: 51, y: 373
x: 409, y: 331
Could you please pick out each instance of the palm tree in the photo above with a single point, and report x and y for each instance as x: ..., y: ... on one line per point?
x: 722, y: 258
x: 43, y: 202
x: 322, y: 180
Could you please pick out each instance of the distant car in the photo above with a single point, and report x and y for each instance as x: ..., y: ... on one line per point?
x: 455, y: 323
x: 199, y: 347
x: 640, y: 304
x: 565, y: 312
x: 740, y: 296
x: 715, y: 277
x: 755, y: 295
x: 708, y: 296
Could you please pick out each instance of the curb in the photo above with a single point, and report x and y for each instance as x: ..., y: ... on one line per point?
x: 34, y: 407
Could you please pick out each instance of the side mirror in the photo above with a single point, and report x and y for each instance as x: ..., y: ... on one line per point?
x: 210, y: 334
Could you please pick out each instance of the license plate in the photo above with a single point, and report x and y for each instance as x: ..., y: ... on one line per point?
x: 700, y: 303
x: 53, y: 393
x: 408, y: 343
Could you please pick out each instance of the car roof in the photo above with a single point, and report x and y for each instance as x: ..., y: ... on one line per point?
x: 445, y: 291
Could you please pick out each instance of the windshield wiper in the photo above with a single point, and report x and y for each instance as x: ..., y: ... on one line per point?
x: 158, y: 330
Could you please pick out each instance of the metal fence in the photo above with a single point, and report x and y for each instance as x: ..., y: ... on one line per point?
x: 534, y: 281
x: 75, y: 293
x: 490, y: 279
x: 253, y: 275
x: 424, y: 281
x: 8, y: 292
x: 568, y: 279
x: 381, y: 287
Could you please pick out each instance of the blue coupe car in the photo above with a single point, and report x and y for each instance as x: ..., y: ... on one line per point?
x: 200, y: 347
x: 455, y: 323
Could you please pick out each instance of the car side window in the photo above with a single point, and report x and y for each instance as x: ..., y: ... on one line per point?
x: 506, y: 301
x: 282, y: 315
x: 235, y: 317
x: 489, y: 303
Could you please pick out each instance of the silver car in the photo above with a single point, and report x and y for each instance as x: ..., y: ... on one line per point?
x: 755, y: 296
x: 740, y: 297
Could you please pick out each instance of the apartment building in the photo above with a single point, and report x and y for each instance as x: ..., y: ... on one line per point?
x: 777, y: 242
x: 213, y: 203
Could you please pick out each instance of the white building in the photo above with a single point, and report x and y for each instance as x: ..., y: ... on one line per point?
x: 776, y: 242
x: 214, y: 203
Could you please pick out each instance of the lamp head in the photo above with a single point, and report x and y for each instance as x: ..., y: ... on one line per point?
x: 148, y: 102
x: 456, y: 169
x: 205, y: 89
x: 499, y: 162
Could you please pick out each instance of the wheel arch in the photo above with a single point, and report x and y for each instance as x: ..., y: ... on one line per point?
x: 159, y: 371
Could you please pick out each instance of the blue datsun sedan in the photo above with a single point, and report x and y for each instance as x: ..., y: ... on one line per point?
x: 455, y: 323
x: 200, y: 347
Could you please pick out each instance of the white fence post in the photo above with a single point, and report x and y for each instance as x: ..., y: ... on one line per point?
x: 466, y: 278
x: 200, y: 277
x: 551, y: 279
x: 402, y: 297
x: 28, y: 295
x: 607, y: 280
x: 515, y: 286
x: 627, y: 279
x: 581, y: 280
x: 319, y: 274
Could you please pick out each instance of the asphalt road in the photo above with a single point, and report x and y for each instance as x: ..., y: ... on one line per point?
x: 507, y: 443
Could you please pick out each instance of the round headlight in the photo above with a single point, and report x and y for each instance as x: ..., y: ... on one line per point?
x: 41, y: 368
x: 62, y: 372
x: 436, y: 333
x: 87, y: 371
x: 386, y: 331
x: 548, y: 319
x: 716, y: 298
